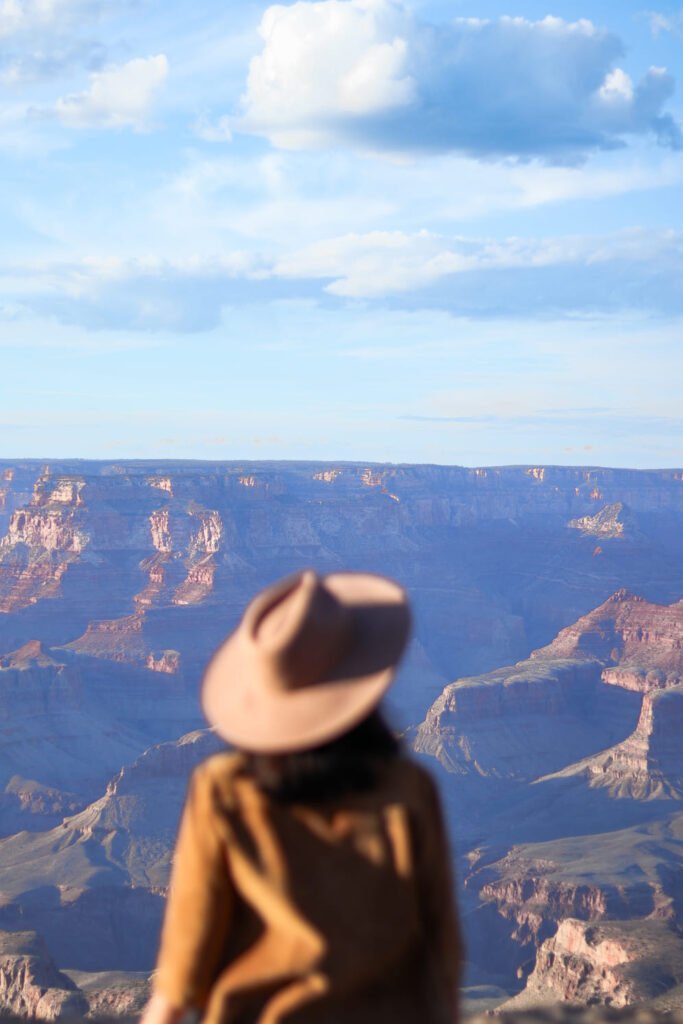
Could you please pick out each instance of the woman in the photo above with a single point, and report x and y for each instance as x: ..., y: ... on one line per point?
x: 311, y: 879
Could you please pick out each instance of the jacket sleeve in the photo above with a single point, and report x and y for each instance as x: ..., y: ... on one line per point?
x: 200, y: 902
x: 437, y: 901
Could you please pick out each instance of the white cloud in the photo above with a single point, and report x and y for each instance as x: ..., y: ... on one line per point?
x: 117, y: 97
x: 574, y: 277
x: 617, y: 87
x: 327, y: 57
x: 368, y: 73
x: 377, y: 263
x: 380, y: 264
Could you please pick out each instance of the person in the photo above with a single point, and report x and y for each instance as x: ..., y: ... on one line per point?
x: 311, y: 880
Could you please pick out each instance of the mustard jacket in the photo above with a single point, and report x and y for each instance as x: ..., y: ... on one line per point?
x: 336, y: 912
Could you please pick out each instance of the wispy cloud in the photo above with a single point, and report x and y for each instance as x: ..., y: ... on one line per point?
x: 570, y: 276
x: 213, y: 131
x: 613, y: 425
x: 18, y: 16
x: 367, y: 73
x: 119, y: 96
x: 144, y: 295
x: 380, y: 264
x: 41, y: 39
x: 666, y: 23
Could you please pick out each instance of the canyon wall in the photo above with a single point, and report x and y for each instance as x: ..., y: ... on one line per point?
x: 561, y: 771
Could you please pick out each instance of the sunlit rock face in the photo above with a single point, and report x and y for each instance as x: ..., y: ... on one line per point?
x: 31, y: 986
x: 494, y: 559
x: 567, y: 774
x: 613, y: 963
x: 629, y: 634
x: 543, y: 683
x: 497, y: 724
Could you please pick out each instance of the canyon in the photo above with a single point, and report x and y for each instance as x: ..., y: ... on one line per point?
x: 543, y: 686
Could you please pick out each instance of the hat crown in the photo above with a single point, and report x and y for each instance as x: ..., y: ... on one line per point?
x: 299, y: 631
x: 311, y: 657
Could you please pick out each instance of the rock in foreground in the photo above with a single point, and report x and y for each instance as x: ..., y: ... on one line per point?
x: 31, y: 985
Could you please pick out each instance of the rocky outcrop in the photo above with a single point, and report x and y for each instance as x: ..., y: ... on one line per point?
x: 626, y: 631
x: 123, y: 640
x: 113, y: 993
x: 648, y: 764
x: 625, y: 877
x: 94, y: 885
x: 162, y: 483
x: 327, y: 476
x: 497, y: 724
x: 534, y: 897
x: 68, y: 722
x: 174, y: 759
x: 617, y: 670
x: 29, y: 655
x: 610, y: 522
x: 155, y: 566
x: 615, y: 964
x: 31, y: 986
x: 49, y: 529
x: 207, y: 535
x: 182, y: 570
x: 198, y: 583
x: 167, y: 662
x: 114, y: 639
x: 27, y: 579
x: 205, y: 542
x: 43, y: 538
x: 39, y: 801
x: 640, y: 678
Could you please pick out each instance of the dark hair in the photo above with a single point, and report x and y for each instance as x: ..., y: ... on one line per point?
x: 349, y: 763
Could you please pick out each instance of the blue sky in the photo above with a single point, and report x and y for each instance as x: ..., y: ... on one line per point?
x: 352, y: 229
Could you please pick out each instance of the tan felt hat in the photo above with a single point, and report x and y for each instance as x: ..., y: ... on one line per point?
x: 310, y: 659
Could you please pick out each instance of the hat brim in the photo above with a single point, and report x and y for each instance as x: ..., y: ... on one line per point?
x: 245, y: 709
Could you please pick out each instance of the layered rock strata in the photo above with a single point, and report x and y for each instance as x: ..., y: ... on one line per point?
x: 118, y: 580
x: 647, y: 765
x: 615, y: 964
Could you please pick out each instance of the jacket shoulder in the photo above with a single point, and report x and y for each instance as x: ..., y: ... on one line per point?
x: 224, y: 764
x: 217, y: 776
x: 415, y: 781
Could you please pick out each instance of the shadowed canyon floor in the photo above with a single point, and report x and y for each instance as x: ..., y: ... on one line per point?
x: 562, y: 772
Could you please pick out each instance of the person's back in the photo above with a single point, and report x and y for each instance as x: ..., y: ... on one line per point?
x: 337, y: 909
x: 311, y: 880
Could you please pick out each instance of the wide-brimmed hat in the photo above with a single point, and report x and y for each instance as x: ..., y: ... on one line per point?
x: 310, y: 659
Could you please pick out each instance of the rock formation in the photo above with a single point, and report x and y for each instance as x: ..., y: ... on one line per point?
x: 627, y: 632
x: 615, y: 964
x: 93, y: 886
x: 31, y: 986
x: 562, y: 772
x: 611, y: 521
x: 647, y: 765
